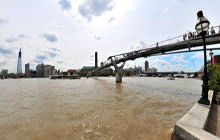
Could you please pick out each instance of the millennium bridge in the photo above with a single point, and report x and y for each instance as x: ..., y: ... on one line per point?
x: 180, y: 44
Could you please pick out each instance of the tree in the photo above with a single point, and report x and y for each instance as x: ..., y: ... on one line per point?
x: 214, y: 82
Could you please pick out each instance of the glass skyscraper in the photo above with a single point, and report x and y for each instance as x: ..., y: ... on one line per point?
x: 19, y: 66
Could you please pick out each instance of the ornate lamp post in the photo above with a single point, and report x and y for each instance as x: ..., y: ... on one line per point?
x: 211, y: 54
x: 202, y: 26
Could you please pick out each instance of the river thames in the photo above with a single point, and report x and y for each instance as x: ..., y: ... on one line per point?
x: 94, y: 109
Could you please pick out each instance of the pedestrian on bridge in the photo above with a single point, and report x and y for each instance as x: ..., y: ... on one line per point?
x: 189, y: 35
x: 212, y: 31
x: 184, y: 37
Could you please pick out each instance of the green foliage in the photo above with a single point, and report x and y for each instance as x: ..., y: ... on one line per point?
x: 214, y: 82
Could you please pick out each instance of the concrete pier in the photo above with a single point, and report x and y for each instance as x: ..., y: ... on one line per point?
x: 118, y: 71
x: 118, y: 77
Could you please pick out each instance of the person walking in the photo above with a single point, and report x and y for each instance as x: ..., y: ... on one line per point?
x: 212, y: 31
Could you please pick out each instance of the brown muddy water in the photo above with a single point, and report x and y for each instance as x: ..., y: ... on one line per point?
x: 94, y: 109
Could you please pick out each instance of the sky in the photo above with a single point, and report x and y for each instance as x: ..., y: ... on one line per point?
x: 67, y: 33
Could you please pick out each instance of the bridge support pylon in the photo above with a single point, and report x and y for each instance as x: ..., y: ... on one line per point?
x: 118, y: 71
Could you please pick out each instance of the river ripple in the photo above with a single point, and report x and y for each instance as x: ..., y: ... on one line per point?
x: 95, y: 109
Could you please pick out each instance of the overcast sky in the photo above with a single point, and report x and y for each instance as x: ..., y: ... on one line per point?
x: 66, y: 33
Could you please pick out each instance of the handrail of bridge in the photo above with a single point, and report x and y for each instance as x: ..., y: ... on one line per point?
x: 183, y: 37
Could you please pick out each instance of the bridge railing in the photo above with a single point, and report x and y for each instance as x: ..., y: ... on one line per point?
x: 185, y: 36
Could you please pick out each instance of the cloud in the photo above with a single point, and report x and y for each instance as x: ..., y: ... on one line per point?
x: 60, y: 62
x: 166, y: 9
x: 3, y: 63
x: 53, y: 52
x: 179, y: 58
x: 50, y: 37
x: 141, y: 45
x: 164, y: 65
x: 132, y: 47
x: 111, y: 19
x: 45, y: 55
x: 92, y: 56
x: 56, y: 26
x: 65, y: 5
x: 55, y: 49
x: 160, y: 62
x: 178, y: 65
x: 3, y: 59
x: 198, y: 55
x: 21, y: 36
x: 90, y: 8
x: 13, y: 39
x: 3, y: 21
x: 40, y: 58
x: 97, y: 37
x: 170, y: 5
x: 5, y: 51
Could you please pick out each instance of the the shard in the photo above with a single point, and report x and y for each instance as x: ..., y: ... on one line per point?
x: 19, y: 65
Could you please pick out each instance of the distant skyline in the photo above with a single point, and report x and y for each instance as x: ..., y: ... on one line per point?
x: 67, y: 33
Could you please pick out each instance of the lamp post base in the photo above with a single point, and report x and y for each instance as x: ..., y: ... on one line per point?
x: 204, y: 101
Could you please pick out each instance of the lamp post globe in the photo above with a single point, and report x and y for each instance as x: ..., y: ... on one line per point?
x: 202, y: 24
x: 202, y: 27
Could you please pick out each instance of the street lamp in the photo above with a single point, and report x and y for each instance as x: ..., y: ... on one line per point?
x: 211, y: 54
x: 202, y: 26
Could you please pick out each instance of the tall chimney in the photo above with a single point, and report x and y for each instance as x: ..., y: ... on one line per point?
x: 96, y: 60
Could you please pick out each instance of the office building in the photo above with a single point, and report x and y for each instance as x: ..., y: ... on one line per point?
x: 40, y: 70
x: 146, y: 65
x: 45, y: 70
x: 27, y: 70
x: 49, y: 70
